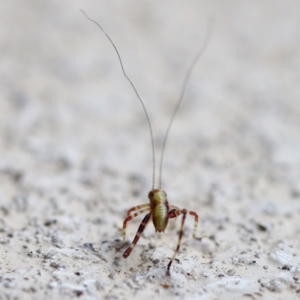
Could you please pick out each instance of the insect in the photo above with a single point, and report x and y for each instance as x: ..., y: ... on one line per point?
x: 158, y: 210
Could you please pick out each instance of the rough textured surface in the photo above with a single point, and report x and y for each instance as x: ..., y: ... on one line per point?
x: 75, y: 151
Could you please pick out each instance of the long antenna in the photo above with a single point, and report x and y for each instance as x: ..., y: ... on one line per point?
x: 137, y: 94
x: 183, y: 88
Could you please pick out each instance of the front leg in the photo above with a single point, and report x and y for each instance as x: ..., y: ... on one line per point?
x: 138, y: 207
x: 130, y: 217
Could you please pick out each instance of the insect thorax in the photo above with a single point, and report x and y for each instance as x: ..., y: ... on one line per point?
x: 159, y: 209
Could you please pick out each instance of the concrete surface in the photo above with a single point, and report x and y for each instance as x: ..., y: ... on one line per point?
x: 75, y: 151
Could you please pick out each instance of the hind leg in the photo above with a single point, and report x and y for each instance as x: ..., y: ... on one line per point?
x: 138, y: 235
x: 174, y: 213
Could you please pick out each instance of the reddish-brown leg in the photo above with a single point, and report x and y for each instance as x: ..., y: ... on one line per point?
x: 138, y: 235
x: 173, y: 214
x: 129, y: 218
x: 173, y: 224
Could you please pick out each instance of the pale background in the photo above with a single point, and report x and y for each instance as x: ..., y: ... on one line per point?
x: 75, y: 151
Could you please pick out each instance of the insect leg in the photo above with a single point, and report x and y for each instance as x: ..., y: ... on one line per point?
x: 192, y: 213
x: 173, y: 214
x: 130, y: 217
x: 138, y: 235
x: 139, y: 207
x: 173, y: 224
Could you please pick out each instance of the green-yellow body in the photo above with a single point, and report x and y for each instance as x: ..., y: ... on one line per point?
x: 159, y: 208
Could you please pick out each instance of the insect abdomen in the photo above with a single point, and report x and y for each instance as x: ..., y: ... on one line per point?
x: 159, y: 209
x: 160, y: 217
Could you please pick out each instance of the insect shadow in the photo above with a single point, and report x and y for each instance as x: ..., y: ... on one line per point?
x: 158, y: 210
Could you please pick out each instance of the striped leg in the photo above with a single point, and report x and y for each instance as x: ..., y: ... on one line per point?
x: 139, y: 207
x: 173, y: 214
x: 138, y: 235
x: 129, y: 218
x: 192, y: 213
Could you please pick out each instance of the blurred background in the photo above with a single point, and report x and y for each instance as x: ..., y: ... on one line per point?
x: 64, y: 98
x: 74, y: 140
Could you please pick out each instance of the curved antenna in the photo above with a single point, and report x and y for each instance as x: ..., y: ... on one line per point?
x: 137, y: 94
x: 183, y: 88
